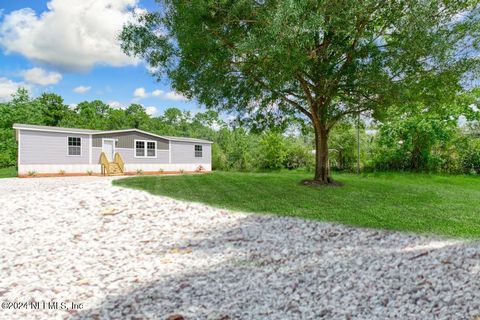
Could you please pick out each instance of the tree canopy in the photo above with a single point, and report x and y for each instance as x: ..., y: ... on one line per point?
x: 318, y: 61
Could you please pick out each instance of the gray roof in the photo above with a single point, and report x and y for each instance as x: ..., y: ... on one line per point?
x: 89, y: 131
x: 49, y: 128
x: 186, y: 139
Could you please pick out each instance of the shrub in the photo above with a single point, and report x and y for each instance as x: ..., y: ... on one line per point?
x: 298, y: 155
x: 8, y: 148
x: 237, y: 150
x: 470, y: 157
x: 89, y: 172
x: 32, y: 173
x: 272, y: 150
x: 219, y: 158
x: 61, y: 172
x: 139, y: 171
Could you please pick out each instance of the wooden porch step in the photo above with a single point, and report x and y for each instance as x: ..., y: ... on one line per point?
x: 114, y: 169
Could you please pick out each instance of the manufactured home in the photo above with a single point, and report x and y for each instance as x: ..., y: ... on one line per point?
x: 43, y: 149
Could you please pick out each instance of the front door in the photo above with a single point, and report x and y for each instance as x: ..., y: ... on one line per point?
x: 108, y: 147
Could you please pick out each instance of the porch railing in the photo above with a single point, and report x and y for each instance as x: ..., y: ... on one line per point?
x: 119, y: 161
x: 105, y: 165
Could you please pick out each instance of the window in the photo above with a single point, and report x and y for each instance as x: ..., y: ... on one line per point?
x: 74, y: 146
x: 140, y: 148
x: 145, y: 149
x: 198, y: 151
x: 151, y: 148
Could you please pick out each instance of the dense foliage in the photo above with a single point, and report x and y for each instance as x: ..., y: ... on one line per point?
x: 411, y: 138
x: 315, y: 61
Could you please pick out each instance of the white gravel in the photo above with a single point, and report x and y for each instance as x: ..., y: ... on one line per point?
x: 126, y: 254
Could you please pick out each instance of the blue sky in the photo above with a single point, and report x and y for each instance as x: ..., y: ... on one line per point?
x: 69, y: 47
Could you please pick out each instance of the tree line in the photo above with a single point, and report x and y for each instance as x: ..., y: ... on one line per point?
x: 409, y: 139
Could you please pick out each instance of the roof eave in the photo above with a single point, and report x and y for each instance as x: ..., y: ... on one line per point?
x: 151, y: 134
x: 20, y: 127
x: 17, y: 126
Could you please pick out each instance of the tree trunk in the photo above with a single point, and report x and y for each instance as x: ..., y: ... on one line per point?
x: 341, y: 161
x: 322, y: 170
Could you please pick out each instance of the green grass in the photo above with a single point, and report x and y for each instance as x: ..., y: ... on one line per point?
x: 434, y: 204
x: 8, y: 172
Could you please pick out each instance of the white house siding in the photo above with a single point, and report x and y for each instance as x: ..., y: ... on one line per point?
x: 38, y: 147
x: 184, y: 153
x: 133, y: 164
x: 47, y: 152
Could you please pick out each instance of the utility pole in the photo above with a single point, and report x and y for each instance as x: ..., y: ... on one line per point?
x: 358, y: 143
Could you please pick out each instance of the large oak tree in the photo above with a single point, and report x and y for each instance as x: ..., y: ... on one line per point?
x: 318, y: 60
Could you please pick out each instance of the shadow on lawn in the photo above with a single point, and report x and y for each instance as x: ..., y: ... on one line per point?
x: 286, y: 268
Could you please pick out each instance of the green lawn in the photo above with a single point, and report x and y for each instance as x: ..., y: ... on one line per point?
x: 446, y: 205
x: 8, y: 172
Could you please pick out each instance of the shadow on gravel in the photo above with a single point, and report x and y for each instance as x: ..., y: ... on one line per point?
x: 286, y: 268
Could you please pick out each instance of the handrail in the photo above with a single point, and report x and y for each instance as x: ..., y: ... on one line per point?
x: 118, y: 160
x: 105, y: 164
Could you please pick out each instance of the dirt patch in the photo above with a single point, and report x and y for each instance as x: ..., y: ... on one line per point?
x: 316, y: 183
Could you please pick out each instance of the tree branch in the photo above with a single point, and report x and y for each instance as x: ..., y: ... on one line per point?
x: 306, y: 89
x: 340, y: 115
x: 294, y: 103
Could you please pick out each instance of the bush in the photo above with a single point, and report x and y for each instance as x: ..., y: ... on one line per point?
x: 8, y: 148
x: 298, y: 155
x: 237, y: 150
x: 273, y: 151
x: 219, y: 158
x: 470, y: 157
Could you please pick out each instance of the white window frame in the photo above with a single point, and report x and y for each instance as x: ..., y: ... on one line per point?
x: 195, y: 150
x: 68, y: 147
x: 146, y: 149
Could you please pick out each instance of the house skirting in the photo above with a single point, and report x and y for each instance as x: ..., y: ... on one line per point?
x: 132, y: 167
x: 26, y: 169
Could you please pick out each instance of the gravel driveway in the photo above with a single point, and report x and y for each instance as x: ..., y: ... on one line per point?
x: 125, y: 254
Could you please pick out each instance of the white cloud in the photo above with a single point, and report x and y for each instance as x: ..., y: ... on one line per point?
x: 151, y: 69
x: 170, y: 95
x: 9, y: 87
x: 140, y: 93
x: 173, y: 95
x: 150, y: 110
x: 41, y: 77
x: 72, y: 35
x: 157, y: 93
x: 72, y: 105
x: 81, y: 89
x: 117, y: 105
